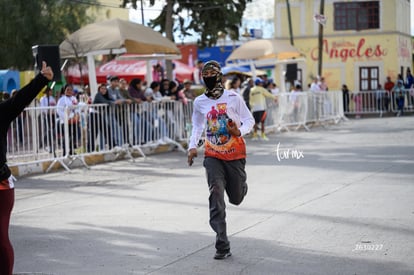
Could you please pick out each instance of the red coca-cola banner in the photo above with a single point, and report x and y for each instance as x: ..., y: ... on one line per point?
x: 127, y: 69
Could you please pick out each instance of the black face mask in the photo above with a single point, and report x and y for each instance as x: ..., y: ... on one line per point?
x: 210, y: 82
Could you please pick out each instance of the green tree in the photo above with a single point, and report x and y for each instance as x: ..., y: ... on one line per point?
x: 205, y: 17
x: 35, y: 22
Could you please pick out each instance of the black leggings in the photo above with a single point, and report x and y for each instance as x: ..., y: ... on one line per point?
x: 6, y: 249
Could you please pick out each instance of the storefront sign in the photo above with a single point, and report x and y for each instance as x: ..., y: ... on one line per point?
x: 345, y: 49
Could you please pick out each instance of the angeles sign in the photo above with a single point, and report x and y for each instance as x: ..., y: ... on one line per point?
x: 345, y: 49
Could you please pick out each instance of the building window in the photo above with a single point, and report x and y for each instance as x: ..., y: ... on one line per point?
x: 368, y: 78
x: 356, y: 15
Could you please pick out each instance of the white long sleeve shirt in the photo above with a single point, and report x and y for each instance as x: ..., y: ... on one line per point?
x: 63, y: 102
x: 213, y: 115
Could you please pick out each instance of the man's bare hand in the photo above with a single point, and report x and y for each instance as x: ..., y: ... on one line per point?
x: 192, y: 153
x: 232, y: 128
x: 46, y: 71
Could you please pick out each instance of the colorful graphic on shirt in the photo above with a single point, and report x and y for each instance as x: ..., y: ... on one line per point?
x: 219, y: 143
x: 216, y: 132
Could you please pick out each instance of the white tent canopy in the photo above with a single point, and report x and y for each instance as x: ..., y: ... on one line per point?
x: 114, y: 37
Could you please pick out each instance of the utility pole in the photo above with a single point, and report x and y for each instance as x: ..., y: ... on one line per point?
x: 320, y: 39
x: 290, y: 23
x: 142, y: 13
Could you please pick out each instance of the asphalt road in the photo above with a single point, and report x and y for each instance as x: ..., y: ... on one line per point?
x: 335, y: 200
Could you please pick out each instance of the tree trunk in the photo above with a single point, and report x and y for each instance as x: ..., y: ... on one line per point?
x: 169, y: 34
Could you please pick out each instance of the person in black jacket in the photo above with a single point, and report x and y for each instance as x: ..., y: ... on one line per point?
x: 9, y: 111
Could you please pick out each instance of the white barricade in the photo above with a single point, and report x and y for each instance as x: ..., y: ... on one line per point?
x: 298, y: 109
x: 65, y: 135
x: 380, y: 102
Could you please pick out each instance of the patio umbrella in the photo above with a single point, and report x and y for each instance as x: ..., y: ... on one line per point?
x: 116, y: 36
x: 264, y: 49
x: 243, y: 70
x: 113, y: 37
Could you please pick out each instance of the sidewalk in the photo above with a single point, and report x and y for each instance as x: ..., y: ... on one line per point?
x: 335, y: 200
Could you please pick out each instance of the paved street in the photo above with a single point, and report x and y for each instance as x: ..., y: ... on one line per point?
x: 335, y: 200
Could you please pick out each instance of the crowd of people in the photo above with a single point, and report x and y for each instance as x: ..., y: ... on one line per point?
x: 396, y: 94
x: 392, y: 96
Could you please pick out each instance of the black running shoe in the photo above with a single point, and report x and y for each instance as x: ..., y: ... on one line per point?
x: 220, y: 255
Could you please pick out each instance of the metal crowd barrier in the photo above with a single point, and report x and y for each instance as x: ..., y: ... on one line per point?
x: 66, y: 135
x: 304, y: 109
x: 379, y: 102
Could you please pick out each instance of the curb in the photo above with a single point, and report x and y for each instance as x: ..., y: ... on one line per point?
x: 27, y: 169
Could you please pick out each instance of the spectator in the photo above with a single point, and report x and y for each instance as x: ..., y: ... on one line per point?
x: 198, y: 80
x: 101, y: 121
x: 246, y: 87
x: 273, y: 88
x: 294, y: 100
x: 257, y: 102
x: 113, y: 90
x: 123, y: 90
x: 409, y: 79
x: 345, y: 97
x: 388, y: 86
x: 400, y: 78
x: 265, y: 80
x: 153, y: 91
x: 188, y: 92
x: 400, y: 103
x: 322, y: 84
x: 357, y: 97
x: 314, y: 86
x: 379, y: 98
x: 68, y: 113
x: 136, y: 92
x: 158, y: 121
x: 172, y: 91
x: 157, y: 72
x: 171, y: 110
x: 48, y: 119
x: 142, y: 117
x: 164, y: 86
x: 397, y: 93
x: 182, y: 97
x: 234, y: 84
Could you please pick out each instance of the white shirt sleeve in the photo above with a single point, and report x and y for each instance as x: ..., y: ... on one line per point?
x: 246, y: 118
x: 198, y: 121
x: 61, y: 109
